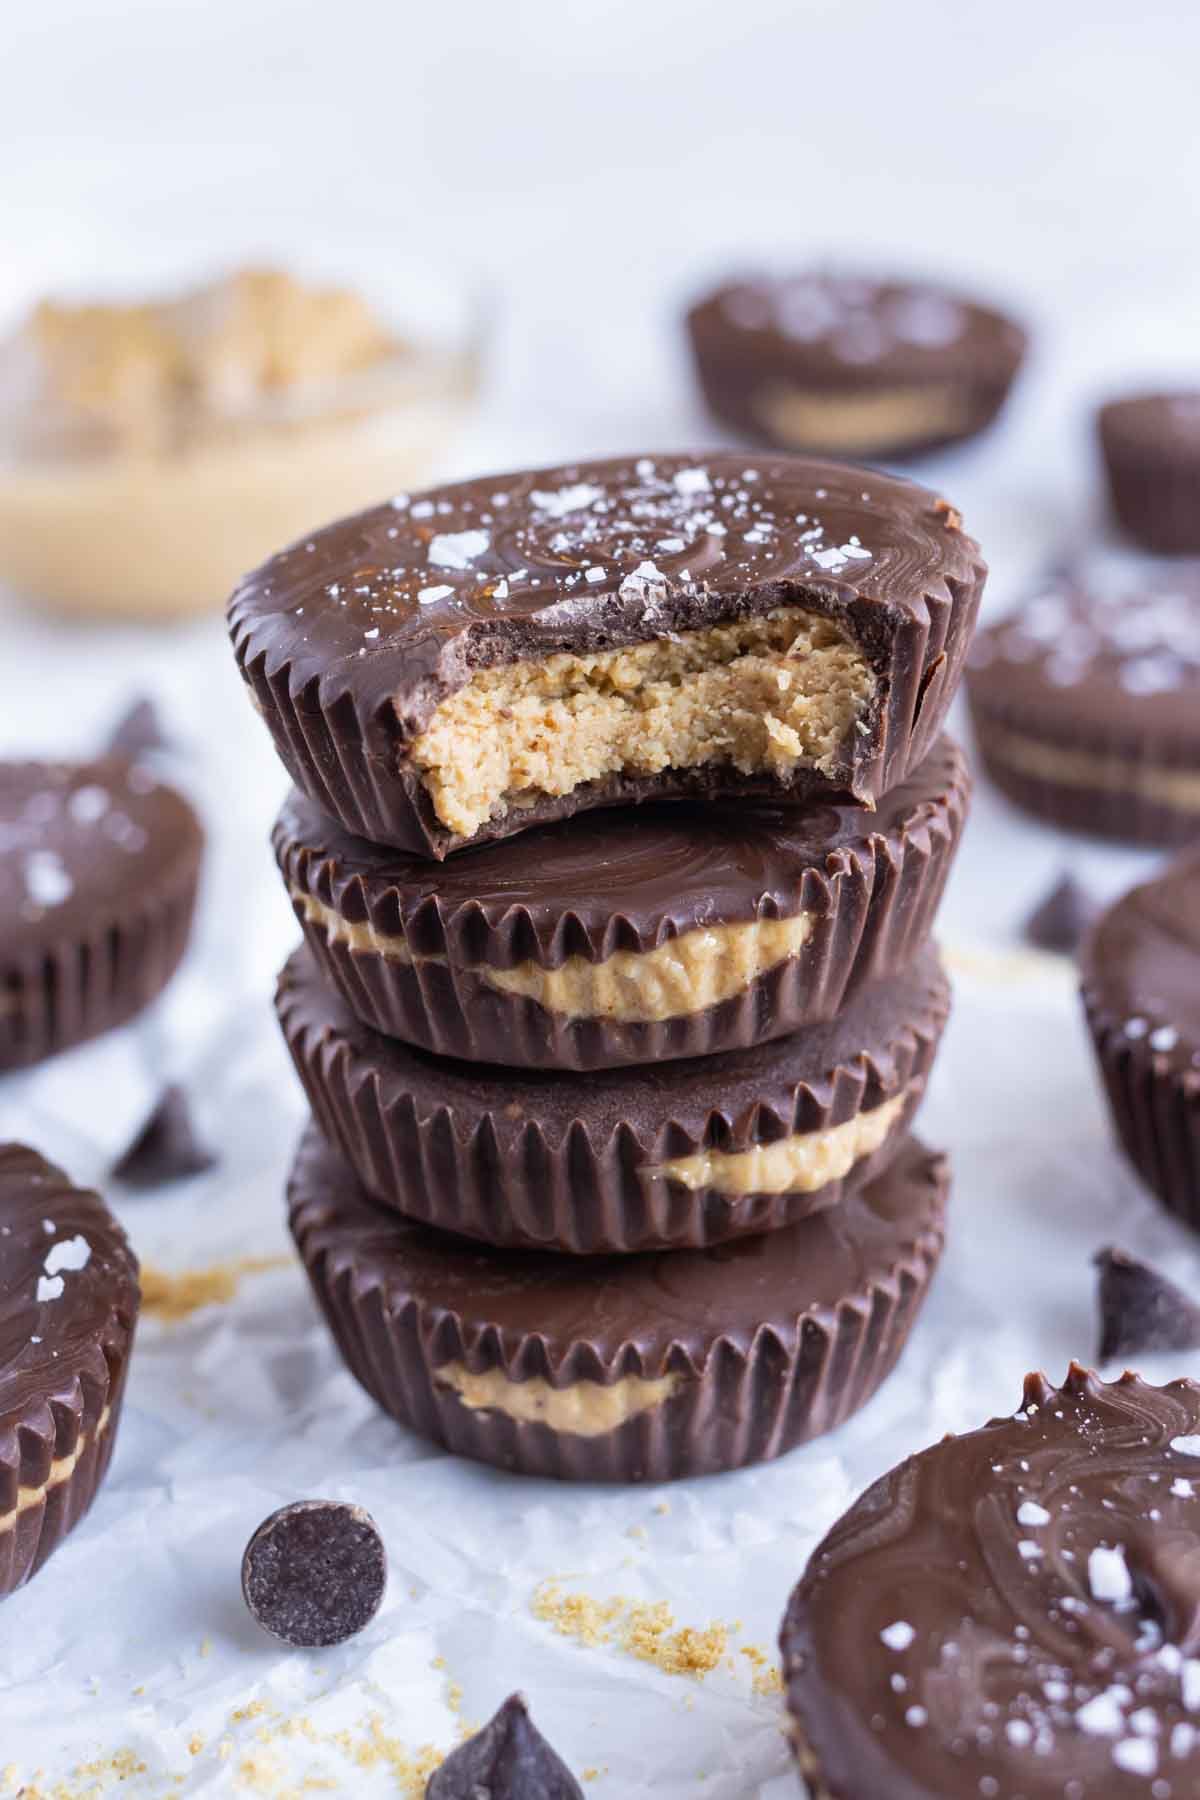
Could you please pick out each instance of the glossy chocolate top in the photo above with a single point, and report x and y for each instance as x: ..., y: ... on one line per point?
x: 1141, y: 968
x: 68, y: 1288
x: 1015, y: 1611
x: 1110, y: 656
x: 395, y: 608
x: 1158, y: 422
x: 849, y: 329
x: 82, y: 843
x: 615, y: 880
x: 602, y: 1316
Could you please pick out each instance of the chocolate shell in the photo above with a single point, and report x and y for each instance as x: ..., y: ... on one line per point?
x: 852, y: 366
x: 621, y: 1160
x: 1151, y: 449
x: 1140, y: 971
x: 99, y: 865
x: 1013, y: 1611
x: 1086, y: 707
x: 424, y: 952
x: 350, y: 640
x: 705, y: 1359
x: 68, y: 1305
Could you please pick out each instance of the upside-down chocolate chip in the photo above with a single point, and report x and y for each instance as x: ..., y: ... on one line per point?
x: 165, y: 1147
x: 1059, y: 921
x: 1141, y: 1310
x: 138, y: 731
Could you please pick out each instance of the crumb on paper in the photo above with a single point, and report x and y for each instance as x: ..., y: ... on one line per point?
x: 662, y: 1508
x: 766, y: 1679
x: 174, y: 1297
x: 206, y: 1646
x: 645, y: 1630
x: 195, y: 1744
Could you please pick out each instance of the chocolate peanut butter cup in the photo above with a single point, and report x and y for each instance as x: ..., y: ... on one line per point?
x: 641, y: 1368
x: 628, y: 937
x: 681, y: 1153
x: 852, y: 366
x: 99, y: 865
x: 1013, y: 1612
x: 1140, y: 970
x: 68, y: 1306
x: 1151, y: 448
x: 486, y: 657
x: 1086, y: 706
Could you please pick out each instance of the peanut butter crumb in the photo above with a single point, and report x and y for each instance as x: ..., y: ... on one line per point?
x: 646, y: 1631
x: 195, y: 1745
x: 174, y: 1297
x: 766, y: 1679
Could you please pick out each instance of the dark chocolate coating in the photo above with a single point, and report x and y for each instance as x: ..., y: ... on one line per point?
x: 951, y: 1635
x: 572, y: 1162
x: 1151, y: 449
x: 1140, y: 969
x: 347, y: 664
x: 63, y: 1356
x: 773, y: 1339
x: 1110, y: 675
x: 1061, y: 921
x: 99, y: 864
x: 165, y: 1148
x: 1140, y: 1310
x: 833, y: 337
x: 631, y: 881
x: 508, y: 1760
x: 314, y: 1573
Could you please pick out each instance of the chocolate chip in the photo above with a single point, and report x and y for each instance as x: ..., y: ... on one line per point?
x: 314, y: 1572
x: 508, y: 1760
x: 138, y: 731
x: 1061, y: 920
x: 1141, y: 1310
x: 166, y: 1147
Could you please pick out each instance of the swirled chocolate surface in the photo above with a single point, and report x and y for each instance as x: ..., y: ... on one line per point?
x: 1014, y: 1612
x: 68, y: 1300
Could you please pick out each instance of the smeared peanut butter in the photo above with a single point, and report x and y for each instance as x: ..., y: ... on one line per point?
x: 61, y: 1469
x: 849, y: 422
x: 1179, y: 788
x: 794, y: 1165
x: 585, y: 1409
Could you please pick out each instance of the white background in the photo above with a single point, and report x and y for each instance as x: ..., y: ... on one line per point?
x: 589, y: 164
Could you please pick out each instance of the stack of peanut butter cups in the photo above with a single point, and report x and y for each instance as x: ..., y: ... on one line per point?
x: 621, y: 819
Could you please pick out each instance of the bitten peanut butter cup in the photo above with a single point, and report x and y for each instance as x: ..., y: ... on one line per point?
x: 852, y: 366
x: 1151, y: 448
x: 1140, y: 970
x: 1013, y: 1612
x: 470, y: 662
x: 620, y: 1160
x: 99, y: 865
x: 642, y: 1368
x: 628, y: 937
x: 1086, y: 706
x: 68, y: 1307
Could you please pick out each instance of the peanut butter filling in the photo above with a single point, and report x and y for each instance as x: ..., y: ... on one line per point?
x: 766, y: 695
x: 794, y: 1165
x: 1179, y: 788
x: 585, y: 1409
x: 695, y: 970
x: 61, y: 1469
x: 803, y: 417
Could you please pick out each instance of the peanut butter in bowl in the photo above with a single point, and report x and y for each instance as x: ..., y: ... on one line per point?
x: 152, y: 450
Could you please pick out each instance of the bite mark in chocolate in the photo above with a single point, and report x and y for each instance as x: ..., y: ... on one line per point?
x: 508, y: 1760
x: 165, y: 1148
x: 314, y: 1572
x: 1140, y: 1310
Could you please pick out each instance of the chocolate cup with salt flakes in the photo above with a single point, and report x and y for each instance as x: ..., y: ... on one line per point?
x: 626, y: 938
x: 851, y: 366
x: 1151, y: 448
x: 647, y: 1368
x: 490, y: 656
x: 68, y: 1307
x: 621, y: 1160
x: 1140, y: 973
x: 99, y: 867
x: 1012, y: 1612
x: 1086, y: 706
